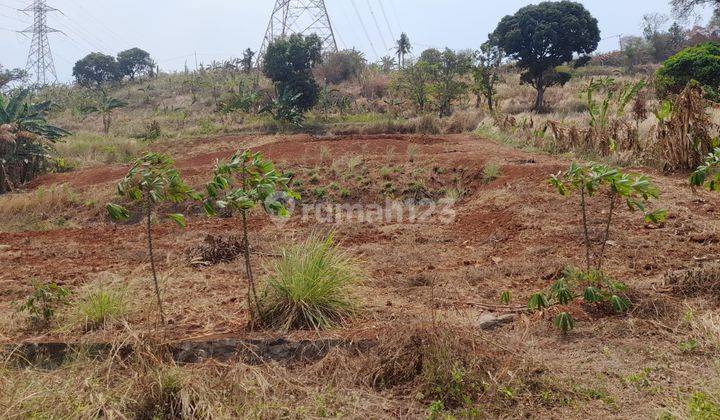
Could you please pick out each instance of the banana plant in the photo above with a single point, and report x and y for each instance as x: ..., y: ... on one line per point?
x: 594, y: 178
x: 708, y: 174
x: 105, y: 106
x: 151, y: 182
x: 239, y: 185
x: 26, y: 139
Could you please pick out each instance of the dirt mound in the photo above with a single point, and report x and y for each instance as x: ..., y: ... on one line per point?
x: 215, y: 250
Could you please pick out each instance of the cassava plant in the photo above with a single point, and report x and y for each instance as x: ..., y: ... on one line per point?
x: 151, y: 182
x: 708, y: 174
x: 244, y: 182
x: 593, y: 179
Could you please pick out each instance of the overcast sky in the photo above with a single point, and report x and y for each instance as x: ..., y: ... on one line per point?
x: 174, y: 30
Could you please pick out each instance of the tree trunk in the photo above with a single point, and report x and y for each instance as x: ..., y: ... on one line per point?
x: 490, y: 103
x: 540, y: 98
x: 152, y: 263
x: 251, y: 292
x: 586, y: 234
x: 606, y: 238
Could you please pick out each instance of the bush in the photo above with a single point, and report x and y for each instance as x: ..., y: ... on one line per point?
x: 310, y: 287
x: 700, y: 63
x: 45, y: 299
x: 342, y: 66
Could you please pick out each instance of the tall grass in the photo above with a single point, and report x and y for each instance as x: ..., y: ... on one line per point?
x: 310, y: 287
x: 99, y: 308
x: 88, y: 149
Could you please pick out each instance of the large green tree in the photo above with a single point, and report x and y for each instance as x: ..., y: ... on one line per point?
x: 134, y: 62
x: 545, y: 36
x: 289, y: 62
x: 96, y: 69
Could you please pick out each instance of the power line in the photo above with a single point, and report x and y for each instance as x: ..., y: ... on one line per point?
x: 362, y: 24
x: 101, y: 23
x: 372, y: 13
x: 387, y: 21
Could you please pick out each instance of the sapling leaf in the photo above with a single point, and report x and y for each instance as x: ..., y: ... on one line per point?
x: 657, y: 216
x: 564, y: 296
x: 592, y: 295
x: 118, y: 213
x: 564, y: 322
x: 620, y: 304
x: 179, y: 219
x: 505, y: 297
x: 538, y: 302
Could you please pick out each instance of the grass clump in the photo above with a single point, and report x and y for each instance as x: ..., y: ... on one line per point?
x: 491, y: 172
x: 310, y: 287
x: 100, y: 308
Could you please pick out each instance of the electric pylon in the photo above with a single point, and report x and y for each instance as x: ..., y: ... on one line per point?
x: 303, y: 17
x: 40, y: 64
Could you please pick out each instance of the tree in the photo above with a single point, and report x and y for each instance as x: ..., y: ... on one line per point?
x: 700, y: 63
x: 432, y: 56
x: 244, y: 182
x: 450, y: 85
x: 414, y: 81
x: 246, y: 63
x: 105, y: 107
x: 289, y: 62
x: 96, y: 69
x: 636, y: 50
x: 341, y: 66
x: 387, y: 63
x: 683, y: 8
x: 8, y: 76
x: 402, y: 48
x: 134, y: 62
x: 486, y: 74
x: 152, y: 181
x: 545, y: 36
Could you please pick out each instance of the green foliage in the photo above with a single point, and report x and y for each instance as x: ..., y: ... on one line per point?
x: 240, y: 184
x: 101, y: 307
x: 310, y: 287
x: 708, y: 174
x: 134, y: 62
x: 543, y: 37
x: 403, y: 48
x: 96, y: 69
x: 594, y: 178
x: 26, y: 139
x: 538, y: 302
x: 45, y: 299
x: 700, y: 63
x: 703, y: 406
x: 617, y: 95
x: 285, y: 109
x: 450, y: 84
x: 245, y: 100
x: 105, y: 105
x: 486, y: 74
x: 564, y: 322
x: 152, y: 181
x: 288, y: 62
x: 247, y: 60
x: 505, y: 297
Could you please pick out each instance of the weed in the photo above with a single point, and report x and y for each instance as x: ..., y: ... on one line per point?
x: 491, y: 172
x: 703, y: 406
x: 412, y: 151
x: 319, y: 192
x: 99, y: 308
x: 310, y: 286
x: 45, y: 299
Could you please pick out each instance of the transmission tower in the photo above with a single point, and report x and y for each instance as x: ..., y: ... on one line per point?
x: 40, y: 62
x: 303, y: 17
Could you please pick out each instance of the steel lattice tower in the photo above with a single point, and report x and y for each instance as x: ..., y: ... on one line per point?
x: 303, y: 17
x: 40, y: 62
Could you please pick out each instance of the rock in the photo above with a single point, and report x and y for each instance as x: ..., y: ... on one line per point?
x: 490, y: 321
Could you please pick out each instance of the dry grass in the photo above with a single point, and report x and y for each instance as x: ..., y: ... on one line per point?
x: 44, y: 208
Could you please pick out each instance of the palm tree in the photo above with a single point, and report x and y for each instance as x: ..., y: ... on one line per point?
x: 403, y: 47
x: 387, y: 63
x: 105, y: 107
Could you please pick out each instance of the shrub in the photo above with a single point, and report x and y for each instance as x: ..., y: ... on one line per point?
x: 342, y: 66
x: 700, y: 63
x: 45, y: 299
x: 310, y: 287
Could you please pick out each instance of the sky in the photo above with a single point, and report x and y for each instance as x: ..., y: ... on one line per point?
x: 175, y: 31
